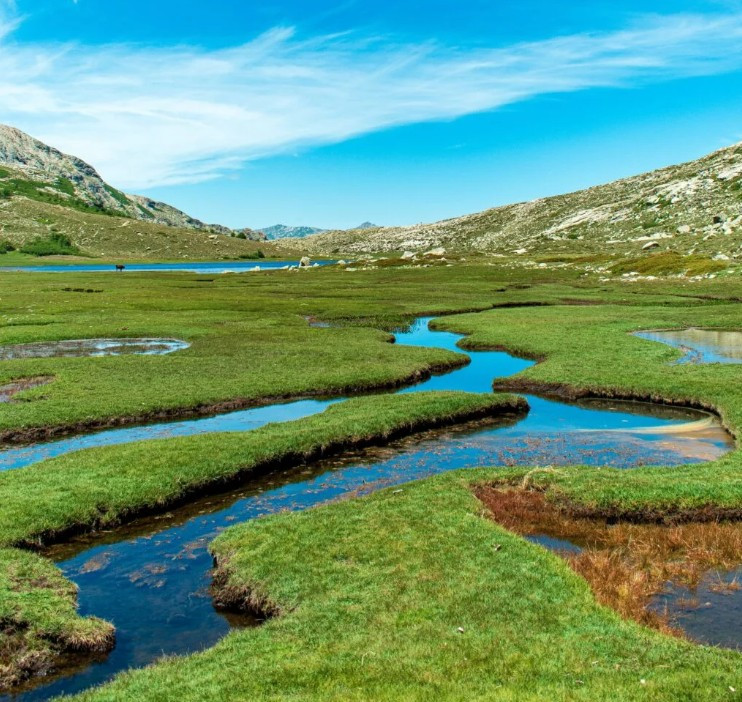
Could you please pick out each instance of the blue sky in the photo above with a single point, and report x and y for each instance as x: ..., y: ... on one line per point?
x: 331, y: 113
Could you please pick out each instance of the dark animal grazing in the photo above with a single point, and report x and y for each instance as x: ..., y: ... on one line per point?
x: 119, y: 267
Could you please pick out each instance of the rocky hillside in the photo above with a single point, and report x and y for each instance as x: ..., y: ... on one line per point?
x: 695, y: 207
x: 31, y: 169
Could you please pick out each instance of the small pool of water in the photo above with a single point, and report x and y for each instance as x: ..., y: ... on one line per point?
x: 151, y: 577
x: 711, y: 613
x: 189, y: 267
x: 553, y: 543
x: 701, y: 345
x: 78, y: 348
x: 9, y: 390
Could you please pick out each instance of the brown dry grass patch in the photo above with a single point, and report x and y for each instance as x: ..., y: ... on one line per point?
x: 626, y: 564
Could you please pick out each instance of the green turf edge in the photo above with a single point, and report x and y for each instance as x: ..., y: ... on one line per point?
x: 104, y: 486
x: 39, y: 619
x: 410, y: 594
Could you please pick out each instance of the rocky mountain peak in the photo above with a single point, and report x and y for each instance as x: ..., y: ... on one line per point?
x: 38, y: 167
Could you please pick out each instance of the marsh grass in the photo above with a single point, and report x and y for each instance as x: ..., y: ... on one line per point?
x: 669, y: 262
x: 250, y: 341
x: 373, y: 591
x: 38, y: 618
x: 627, y: 565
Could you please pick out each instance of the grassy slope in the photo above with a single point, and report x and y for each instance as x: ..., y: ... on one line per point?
x: 109, y: 237
x: 102, y: 486
x: 373, y: 593
x: 248, y: 333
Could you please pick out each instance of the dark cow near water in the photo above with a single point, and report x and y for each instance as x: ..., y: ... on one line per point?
x: 120, y: 267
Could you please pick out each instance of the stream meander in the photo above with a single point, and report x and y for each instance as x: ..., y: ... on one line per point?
x: 151, y: 577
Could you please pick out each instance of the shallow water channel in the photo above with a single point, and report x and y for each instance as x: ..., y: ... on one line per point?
x: 151, y: 577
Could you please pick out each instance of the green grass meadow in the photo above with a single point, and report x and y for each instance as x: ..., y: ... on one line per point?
x: 408, y: 594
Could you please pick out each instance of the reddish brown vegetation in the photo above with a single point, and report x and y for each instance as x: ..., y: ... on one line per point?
x: 626, y: 564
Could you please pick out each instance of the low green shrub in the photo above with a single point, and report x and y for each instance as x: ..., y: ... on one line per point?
x: 52, y: 245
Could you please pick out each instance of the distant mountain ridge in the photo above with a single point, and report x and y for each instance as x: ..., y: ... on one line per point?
x: 282, y: 231
x: 39, y: 171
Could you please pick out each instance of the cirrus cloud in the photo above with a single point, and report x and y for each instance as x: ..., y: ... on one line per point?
x: 148, y: 116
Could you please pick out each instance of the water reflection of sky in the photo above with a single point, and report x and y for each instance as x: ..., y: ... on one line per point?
x: 77, y: 348
x: 701, y: 345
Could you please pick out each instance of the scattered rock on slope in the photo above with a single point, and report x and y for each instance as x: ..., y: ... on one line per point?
x: 699, y: 201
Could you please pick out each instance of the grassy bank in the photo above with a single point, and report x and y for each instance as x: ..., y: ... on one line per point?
x: 102, y: 487
x: 412, y: 595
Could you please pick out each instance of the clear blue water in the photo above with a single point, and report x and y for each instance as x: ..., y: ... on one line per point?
x: 709, y: 614
x: 151, y: 578
x: 701, y: 345
x: 188, y: 267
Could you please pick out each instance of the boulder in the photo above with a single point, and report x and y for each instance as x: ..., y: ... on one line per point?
x: 650, y: 245
x: 305, y: 262
x: 407, y: 255
x: 439, y: 251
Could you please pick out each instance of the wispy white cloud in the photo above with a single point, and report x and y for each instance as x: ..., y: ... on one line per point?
x: 9, y: 19
x: 150, y: 116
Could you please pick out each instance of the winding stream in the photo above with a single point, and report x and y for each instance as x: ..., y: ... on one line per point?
x: 151, y: 577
